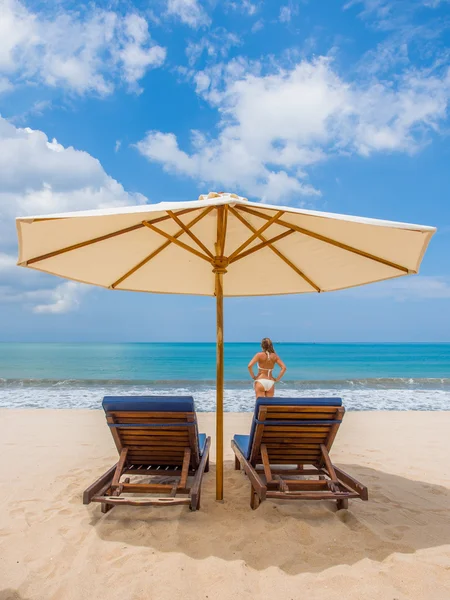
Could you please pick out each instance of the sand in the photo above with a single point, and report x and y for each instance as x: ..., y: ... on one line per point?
x: 396, y: 546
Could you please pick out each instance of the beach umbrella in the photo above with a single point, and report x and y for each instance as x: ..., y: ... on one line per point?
x: 220, y: 245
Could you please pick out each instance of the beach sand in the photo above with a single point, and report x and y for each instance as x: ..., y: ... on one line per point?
x: 394, y: 547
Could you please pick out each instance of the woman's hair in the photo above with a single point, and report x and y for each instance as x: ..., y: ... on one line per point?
x: 267, y: 346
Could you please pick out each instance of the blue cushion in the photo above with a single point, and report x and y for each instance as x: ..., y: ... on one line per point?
x: 201, y: 442
x: 242, y: 442
x: 280, y: 402
x: 149, y: 403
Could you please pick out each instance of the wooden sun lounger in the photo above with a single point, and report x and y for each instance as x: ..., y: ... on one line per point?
x: 156, y: 437
x: 286, y: 456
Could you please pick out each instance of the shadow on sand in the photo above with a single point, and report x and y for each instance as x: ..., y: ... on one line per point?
x: 10, y: 595
x: 402, y: 516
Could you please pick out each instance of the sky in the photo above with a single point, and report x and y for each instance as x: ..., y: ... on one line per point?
x: 327, y: 105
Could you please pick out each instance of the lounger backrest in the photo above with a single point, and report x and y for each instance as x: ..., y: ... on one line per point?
x: 293, y: 429
x: 154, y: 429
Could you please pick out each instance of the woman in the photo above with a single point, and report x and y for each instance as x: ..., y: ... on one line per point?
x: 266, y: 360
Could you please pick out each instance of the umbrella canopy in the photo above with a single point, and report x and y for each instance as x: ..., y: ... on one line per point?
x: 220, y: 245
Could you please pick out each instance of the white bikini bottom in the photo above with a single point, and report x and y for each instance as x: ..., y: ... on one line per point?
x: 266, y: 383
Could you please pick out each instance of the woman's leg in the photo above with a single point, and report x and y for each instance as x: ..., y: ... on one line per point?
x: 270, y: 393
x: 259, y: 390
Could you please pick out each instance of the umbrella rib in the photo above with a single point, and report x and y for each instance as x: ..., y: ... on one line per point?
x: 174, y: 240
x: 262, y: 245
x: 328, y: 240
x: 98, y: 239
x: 159, y: 249
x: 256, y: 234
x: 224, y: 230
x: 276, y: 251
x: 190, y: 234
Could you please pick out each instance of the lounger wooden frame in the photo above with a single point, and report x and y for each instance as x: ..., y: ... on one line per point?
x: 289, y: 457
x: 162, y: 446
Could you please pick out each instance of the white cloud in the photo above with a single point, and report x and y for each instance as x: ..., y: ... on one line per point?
x: 216, y: 44
x: 61, y: 299
x: 87, y: 51
x: 39, y: 176
x: 285, y: 14
x: 189, y: 12
x: 117, y: 145
x: 418, y: 287
x: 244, y: 6
x: 7, y: 262
x: 273, y: 127
x: 257, y: 26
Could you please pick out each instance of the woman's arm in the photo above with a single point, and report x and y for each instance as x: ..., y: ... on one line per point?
x: 282, y: 366
x: 251, y: 364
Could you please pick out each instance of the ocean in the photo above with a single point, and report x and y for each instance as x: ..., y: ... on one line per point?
x: 365, y: 376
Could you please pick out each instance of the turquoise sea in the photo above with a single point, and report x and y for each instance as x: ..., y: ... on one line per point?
x: 366, y: 376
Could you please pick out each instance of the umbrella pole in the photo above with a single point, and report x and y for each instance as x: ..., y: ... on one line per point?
x: 219, y: 384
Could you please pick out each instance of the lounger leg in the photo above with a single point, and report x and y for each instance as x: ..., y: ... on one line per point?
x: 237, y: 464
x: 341, y: 504
x: 207, y: 466
x: 254, y: 499
x: 106, y: 507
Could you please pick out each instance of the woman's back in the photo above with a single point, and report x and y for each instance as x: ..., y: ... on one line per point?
x: 267, y: 360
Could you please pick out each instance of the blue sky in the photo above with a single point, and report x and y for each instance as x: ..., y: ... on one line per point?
x: 336, y: 106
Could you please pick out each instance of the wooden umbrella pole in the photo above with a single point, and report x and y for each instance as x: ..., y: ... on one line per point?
x: 219, y: 384
x: 220, y: 263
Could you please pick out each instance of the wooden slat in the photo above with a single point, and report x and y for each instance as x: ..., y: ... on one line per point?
x: 288, y: 451
x: 300, y: 409
x: 295, y: 471
x: 293, y: 445
x: 144, y: 416
x: 146, y: 501
x: 287, y: 441
x: 156, y: 431
x: 155, y: 453
x: 310, y: 495
x: 295, y: 429
x: 137, y: 443
x: 328, y: 416
x: 156, y: 457
x: 152, y: 436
